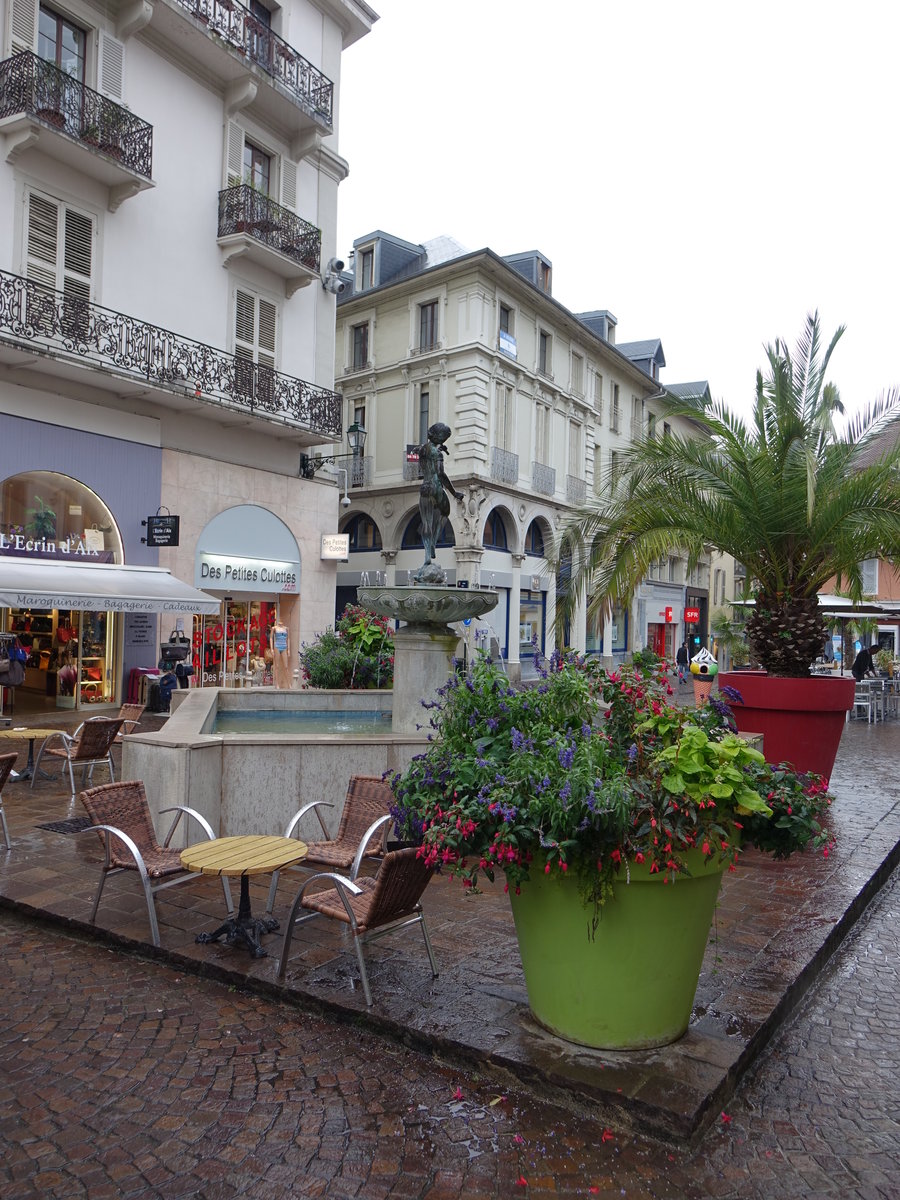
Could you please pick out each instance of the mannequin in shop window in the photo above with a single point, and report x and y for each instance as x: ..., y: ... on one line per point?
x: 281, y: 655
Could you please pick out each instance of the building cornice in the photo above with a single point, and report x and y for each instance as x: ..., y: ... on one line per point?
x: 513, y: 283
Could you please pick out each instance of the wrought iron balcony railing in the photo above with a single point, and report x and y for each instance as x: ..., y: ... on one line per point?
x: 243, y: 209
x: 543, y: 479
x: 576, y: 489
x: 31, y: 85
x: 67, y: 325
x: 360, y: 469
x: 504, y: 465
x: 238, y: 27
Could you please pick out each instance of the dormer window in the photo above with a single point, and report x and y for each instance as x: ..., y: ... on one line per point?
x: 367, y: 268
x: 544, y: 276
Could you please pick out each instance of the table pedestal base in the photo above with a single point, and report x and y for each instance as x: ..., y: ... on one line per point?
x: 244, y: 929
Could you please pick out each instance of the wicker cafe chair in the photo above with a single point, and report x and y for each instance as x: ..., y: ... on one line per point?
x: 92, y: 745
x: 130, y: 716
x: 124, y: 825
x: 369, y: 800
x: 371, y: 907
x: 7, y: 762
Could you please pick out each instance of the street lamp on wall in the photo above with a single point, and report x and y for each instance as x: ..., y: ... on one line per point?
x: 356, y: 439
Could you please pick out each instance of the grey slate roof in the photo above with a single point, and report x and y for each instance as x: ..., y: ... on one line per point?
x: 650, y: 348
x: 687, y: 391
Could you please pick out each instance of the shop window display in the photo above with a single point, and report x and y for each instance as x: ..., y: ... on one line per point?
x: 48, y: 516
x: 235, y: 646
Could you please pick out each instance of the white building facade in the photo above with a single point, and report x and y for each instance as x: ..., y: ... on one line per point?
x: 540, y: 402
x: 169, y: 174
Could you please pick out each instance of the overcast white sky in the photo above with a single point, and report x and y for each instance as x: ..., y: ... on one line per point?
x: 707, y: 171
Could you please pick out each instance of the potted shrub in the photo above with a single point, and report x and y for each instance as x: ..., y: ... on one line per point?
x: 50, y: 85
x: 42, y: 523
x: 794, y: 500
x: 884, y: 661
x: 612, y: 815
x: 358, y: 653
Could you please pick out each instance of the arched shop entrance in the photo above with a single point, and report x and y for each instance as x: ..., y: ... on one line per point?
x: 48, y: 517
x: 67, y: 596
x: 248, y: 558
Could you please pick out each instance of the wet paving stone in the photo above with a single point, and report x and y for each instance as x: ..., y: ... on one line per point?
x: 121, y: 1078
x: 215, y: 1092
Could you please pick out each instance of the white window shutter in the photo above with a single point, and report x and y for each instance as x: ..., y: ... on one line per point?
x: 234, y: 154
x: 869, y: 569
x: 244, y: 324
x: 110, y: 66
x: 22, y: 25
x: 268, y: 317
x: 289, y: 183
x: 43, y: 240
x: 78, y: 254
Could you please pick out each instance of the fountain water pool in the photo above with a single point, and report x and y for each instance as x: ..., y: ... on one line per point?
x: 254, y: 782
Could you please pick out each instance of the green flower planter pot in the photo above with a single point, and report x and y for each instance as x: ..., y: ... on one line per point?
x: 632, y: 985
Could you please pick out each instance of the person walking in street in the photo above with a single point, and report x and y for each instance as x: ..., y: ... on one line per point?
x: 681, y: 660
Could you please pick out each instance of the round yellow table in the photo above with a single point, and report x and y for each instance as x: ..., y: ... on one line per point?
x: 254, y: 854
x: 19, y: 734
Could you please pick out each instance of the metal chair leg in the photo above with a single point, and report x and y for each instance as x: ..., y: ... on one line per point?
x: 7, y: 843
x: 367, y: 991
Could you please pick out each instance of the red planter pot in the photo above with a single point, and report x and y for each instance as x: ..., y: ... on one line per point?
x: 801, y: 720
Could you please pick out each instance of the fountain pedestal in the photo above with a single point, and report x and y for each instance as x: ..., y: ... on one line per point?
x: 424, y: 647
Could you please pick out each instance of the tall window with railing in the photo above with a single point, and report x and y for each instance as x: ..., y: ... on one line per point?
x: 428, y: 325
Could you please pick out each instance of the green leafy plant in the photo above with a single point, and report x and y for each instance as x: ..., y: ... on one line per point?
x: 358, y: 653
x: 42, y: 521
x: 588, y: 771
x: 794, y: 500
x: 884, y: 661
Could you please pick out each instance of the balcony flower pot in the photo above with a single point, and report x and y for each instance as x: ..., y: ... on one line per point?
x: 801, y: 720
x: 52, y: 116
x: 612, y: 825
x: 631, y: 985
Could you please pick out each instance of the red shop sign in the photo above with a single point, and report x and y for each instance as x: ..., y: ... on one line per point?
x: 692, y: 616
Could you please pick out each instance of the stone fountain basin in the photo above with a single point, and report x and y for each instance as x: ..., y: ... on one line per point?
x: 423, y: 607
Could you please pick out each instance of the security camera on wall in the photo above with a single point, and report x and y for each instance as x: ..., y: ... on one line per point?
x: 334, y: 284
x: 334, y: 266
x: 346, y: 502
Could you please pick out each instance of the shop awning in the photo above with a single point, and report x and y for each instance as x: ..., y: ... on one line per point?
x: 98, y: 587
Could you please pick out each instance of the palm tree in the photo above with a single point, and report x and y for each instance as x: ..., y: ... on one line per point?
x: 790, y: 497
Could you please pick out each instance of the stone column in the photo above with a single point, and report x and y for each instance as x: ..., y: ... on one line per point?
x: 390, y: 567
x: 468, y: 564
x: 513, y: 662
x: 422, y: 664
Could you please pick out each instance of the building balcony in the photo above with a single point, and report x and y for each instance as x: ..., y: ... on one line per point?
x: 42, y: 107
x: 361, y: 470
x: 130, y: 358
x: 224, y: 38
x: 543, y: 479
x: 576, y: 489
x: 355, y: 368
x: 504, y: 466
x: 255, y: 227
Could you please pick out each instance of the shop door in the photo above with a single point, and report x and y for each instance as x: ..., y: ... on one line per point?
x: 236, y: 645
x: 656, y: 639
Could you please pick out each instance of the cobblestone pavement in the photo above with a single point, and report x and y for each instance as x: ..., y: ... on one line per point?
x: 121, y: 1077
